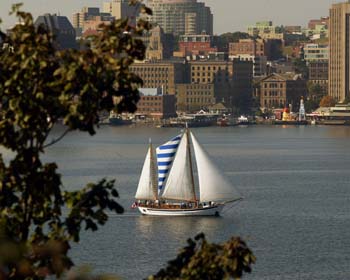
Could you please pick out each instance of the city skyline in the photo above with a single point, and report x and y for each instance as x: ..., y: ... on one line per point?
x: 240, y: 14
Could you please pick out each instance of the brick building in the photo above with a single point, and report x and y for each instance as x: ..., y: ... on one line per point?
x: 161, y: 74
x: 154, y: 105
x: 230, y: 78
x: 195, y: 45
x: 254, y: 47
x: 277, y: 90
x: 194, y: 97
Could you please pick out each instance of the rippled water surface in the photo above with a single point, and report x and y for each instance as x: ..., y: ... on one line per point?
x: 295, y: 214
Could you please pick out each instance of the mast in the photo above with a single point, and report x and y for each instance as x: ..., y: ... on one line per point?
x: 153, y: 172
x: 190, y: 162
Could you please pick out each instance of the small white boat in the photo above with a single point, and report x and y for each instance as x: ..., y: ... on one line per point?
x: 167, y: 188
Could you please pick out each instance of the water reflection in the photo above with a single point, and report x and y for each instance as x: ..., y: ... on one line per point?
x: 179, y: 227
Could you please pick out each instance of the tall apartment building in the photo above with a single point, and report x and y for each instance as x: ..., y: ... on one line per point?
x: 339, y: 51
x: 121, y: 9
x: 182, y: 16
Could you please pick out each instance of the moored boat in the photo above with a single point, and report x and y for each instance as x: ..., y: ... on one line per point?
x: 118, y: 119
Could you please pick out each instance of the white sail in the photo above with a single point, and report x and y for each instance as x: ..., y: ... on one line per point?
x: 213, y: 186
x: 147, y: 188
x: 179, y: 185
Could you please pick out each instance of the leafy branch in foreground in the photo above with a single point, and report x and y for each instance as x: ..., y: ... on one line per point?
x: 202, y: 260
x: 39, y: 86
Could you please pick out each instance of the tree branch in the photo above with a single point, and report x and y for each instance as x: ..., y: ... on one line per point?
x: 54, y: 141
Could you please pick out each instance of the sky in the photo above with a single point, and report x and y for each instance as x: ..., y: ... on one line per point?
x: 229, y: 15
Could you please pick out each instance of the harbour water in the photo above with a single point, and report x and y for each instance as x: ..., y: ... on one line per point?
x: 295, y: 215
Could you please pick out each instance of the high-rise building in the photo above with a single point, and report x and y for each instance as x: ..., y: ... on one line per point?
x: 89, y: 19
x: 339, y: 51
x: 61, y: 28
x: 182, y: 16
x: 120, y: 9
x: 79, y: 18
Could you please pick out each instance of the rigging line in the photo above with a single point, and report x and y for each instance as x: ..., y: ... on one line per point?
x: 232, y: 205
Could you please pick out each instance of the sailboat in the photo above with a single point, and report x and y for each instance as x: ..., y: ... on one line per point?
x: 167, y: 182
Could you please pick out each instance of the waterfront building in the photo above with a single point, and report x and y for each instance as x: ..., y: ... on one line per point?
x: 195, y: 45
x: 182, y: 16
x: 266, y: 30
x: 153, y: 104
x: 163, y: 74
x: 315, y: 52
x: 339, y: 51
x: 120, y: 9
x: 194, y: 97
x: 277, y: 90
x: 230, y: 78
x: 61, y: 28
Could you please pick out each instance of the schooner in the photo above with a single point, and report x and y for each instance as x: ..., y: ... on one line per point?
x: 167, y: 182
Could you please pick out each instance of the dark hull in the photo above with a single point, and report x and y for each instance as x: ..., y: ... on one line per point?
x: 119, y: 121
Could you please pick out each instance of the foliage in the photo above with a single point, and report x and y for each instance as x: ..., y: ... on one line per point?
x: 315, y: 94
x: 38, y: 87
x: 203, y: 260
x: 301, y: 68
x: 223, y: 40
x: 242, y: 103
x: 327, y: 101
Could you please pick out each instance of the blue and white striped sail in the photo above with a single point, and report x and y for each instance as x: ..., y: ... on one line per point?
x: 165, y: 157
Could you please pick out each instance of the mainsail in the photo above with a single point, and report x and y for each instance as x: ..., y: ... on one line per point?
x: 179, y: 185
x: 213, y: 186
x: 165, y: 157
x: 147, y: 188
